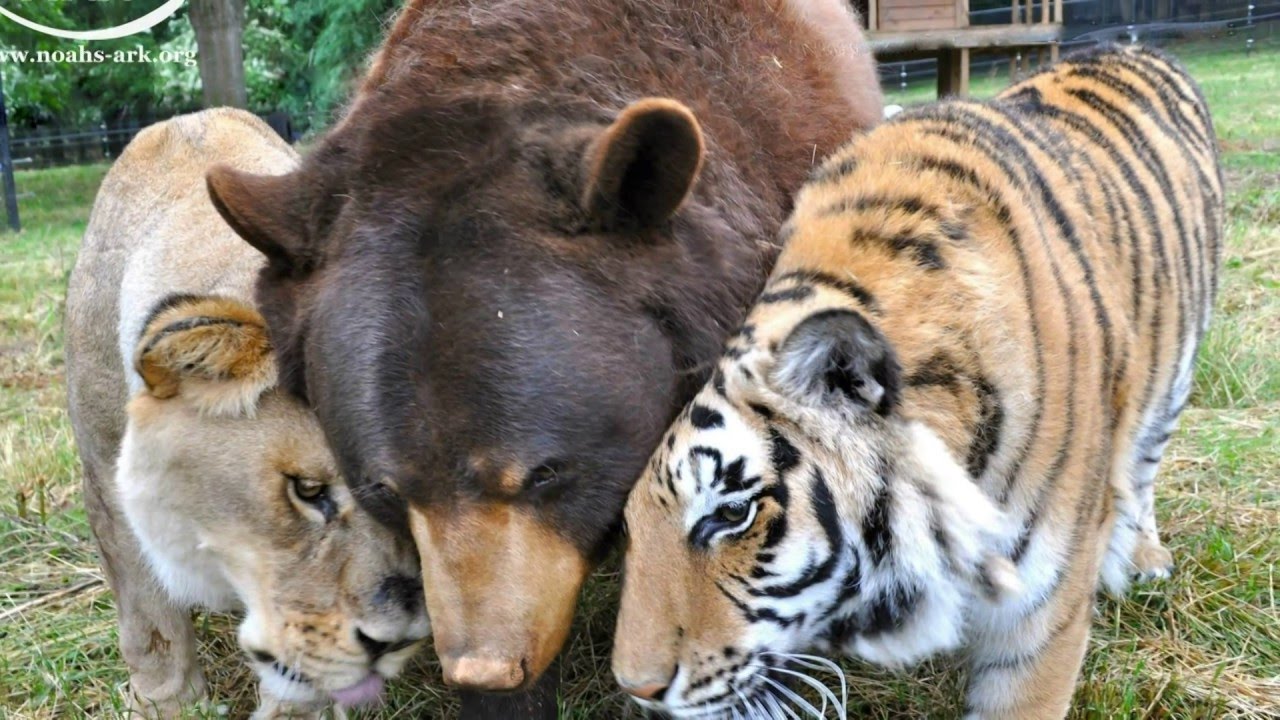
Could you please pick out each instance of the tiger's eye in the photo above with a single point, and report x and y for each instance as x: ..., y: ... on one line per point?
x: 732, y: 513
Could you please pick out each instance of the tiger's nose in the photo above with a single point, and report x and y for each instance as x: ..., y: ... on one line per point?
x: 653, y: 691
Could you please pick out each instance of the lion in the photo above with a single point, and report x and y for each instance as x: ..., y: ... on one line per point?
x: 207, y: 484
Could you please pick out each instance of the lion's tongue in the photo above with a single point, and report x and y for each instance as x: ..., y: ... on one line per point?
x: 362, y: 693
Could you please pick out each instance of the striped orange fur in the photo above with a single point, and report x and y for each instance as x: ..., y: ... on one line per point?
x: 940, y: 426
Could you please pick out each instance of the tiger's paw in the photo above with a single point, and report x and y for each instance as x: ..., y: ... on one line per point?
x: 1151, y: 561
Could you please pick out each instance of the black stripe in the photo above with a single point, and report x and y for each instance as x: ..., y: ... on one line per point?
x: 1138, y: 190
x: 877, y: 531
x: 986, y: 436
x: 825, y: 509
x: 1066, y: 227
x: 1104, y: 74
x: 704, y: 418
x: 795, y: 294
x: 891, y: 609
x: 1156, y: 166
x: 937, y: 371
x: 909, y: 204
x: 782, y: 454
x: 923, y: 252
x: 833, y: 170
x: 844, y: 285
x: 969, y: 177
x: 1010, y: 155
x: 185, y: 325
x: 168, y: 303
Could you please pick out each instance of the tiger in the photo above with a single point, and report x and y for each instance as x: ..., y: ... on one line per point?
x: 938, y: 428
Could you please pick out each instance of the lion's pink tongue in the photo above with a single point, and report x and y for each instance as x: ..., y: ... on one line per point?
x: 362, y: 693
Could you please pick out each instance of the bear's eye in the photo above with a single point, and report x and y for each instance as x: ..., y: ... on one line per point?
x: 545, y: 474
x: 733, y: 513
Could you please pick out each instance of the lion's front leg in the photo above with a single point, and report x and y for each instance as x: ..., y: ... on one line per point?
x: 157, y: 638
x: 273, y: 708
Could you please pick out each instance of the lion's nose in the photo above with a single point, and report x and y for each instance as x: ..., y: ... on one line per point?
x: 375, y: 648
x: 482, y: 673
x: 654, y: 691
x: 400, y: 591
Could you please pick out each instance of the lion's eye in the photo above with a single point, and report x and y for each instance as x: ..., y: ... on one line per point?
x: 733, y: 513
x: 309, y: 490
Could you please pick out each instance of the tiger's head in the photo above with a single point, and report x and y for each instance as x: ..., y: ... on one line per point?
x: 794, y: 504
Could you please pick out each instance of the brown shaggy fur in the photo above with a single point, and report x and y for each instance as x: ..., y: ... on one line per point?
x: 518, y: 254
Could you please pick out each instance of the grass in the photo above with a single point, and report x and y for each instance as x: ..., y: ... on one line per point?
x: 1205, y: 644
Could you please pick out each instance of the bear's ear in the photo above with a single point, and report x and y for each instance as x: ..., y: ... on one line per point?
x: 642, y: 166
x: 211, y: 351
x: 837, y: 356
x: 268, y: 211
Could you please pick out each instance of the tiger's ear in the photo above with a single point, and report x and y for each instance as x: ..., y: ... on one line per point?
x: 642, y: 166
x: 837, y: 356
x: 210, y: 351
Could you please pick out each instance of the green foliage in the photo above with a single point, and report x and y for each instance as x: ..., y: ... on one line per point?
x: 336, y: 38
x: 300, y: 56
x: 67, y: 92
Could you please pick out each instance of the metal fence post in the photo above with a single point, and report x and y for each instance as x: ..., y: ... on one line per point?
x: 6, y: 166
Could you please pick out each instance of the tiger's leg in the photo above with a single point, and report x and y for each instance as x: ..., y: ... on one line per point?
x: 1151, y: 560
x: 1135, y: 551
x: 1025, y: 655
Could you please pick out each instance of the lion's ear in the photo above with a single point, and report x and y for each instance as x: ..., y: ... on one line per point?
x: 268, y: 211
x: 211, y: 351
x: 643, y: 165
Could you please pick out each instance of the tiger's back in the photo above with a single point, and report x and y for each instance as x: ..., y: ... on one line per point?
x: 1072, y: 229
x: 1079, y: 216
x: 1035, y: 274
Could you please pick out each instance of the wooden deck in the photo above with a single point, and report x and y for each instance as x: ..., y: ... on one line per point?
x: 901, y: 29
x: 970, y: 38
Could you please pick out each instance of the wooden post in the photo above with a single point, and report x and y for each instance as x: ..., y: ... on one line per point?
x: 6, y: 168
x: 873, y: 15
x: 953, y: 72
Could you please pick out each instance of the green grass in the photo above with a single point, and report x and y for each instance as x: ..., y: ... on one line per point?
x: 1203, y: 645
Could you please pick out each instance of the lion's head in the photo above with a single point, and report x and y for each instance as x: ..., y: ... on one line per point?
x: 230, y: 487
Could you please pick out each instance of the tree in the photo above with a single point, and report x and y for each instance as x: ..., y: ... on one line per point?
x: 219, y: 26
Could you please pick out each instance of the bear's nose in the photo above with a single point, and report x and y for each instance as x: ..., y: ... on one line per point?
x: 491, y: 674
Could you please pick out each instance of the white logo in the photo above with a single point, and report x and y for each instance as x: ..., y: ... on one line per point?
x: 142, y: 24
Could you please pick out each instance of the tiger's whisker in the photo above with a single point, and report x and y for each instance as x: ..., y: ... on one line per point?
x: 826, y: 692
x: 815, y: 662
x: 798, y: 701
x: 782, y: 711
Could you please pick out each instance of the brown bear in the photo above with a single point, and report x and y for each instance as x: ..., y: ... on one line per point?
x: 504, y: 272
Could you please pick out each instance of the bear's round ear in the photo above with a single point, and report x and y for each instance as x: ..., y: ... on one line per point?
x: 268, y: 211
x: 643, y: 165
